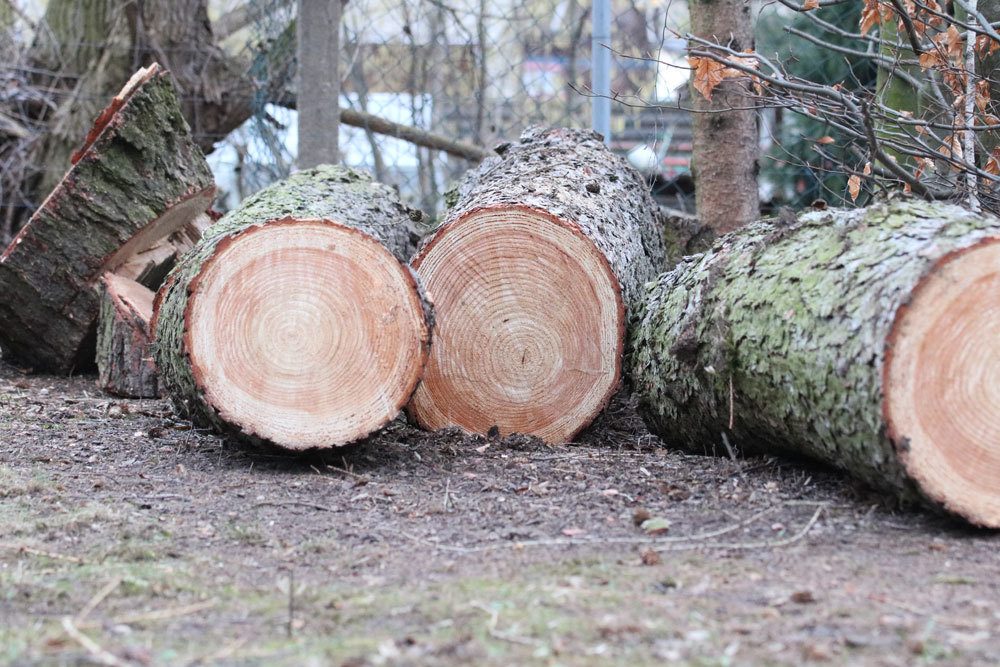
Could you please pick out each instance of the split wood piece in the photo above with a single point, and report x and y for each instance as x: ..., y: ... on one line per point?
x: 124, y: 353
x: 295, y: 320
x: 138, y: 178
x: 150, y: 267
x: 533, y: 275
x: 867, y: 339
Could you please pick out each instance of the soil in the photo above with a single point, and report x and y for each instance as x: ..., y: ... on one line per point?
x: 128, y: 537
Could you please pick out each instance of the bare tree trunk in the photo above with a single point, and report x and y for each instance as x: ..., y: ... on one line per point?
x: 319, y: 82
x: 725, y: 151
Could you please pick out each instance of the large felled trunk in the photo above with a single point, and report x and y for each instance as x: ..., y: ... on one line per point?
x: 295, y: 320
x: 138, y: 178
x: 533, y: 275
x: 124, y: 352
x: 868, y: 339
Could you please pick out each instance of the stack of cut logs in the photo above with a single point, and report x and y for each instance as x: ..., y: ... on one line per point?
x: 868, y: 339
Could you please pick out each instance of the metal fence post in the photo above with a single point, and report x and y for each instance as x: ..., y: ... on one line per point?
x: 600, y: 71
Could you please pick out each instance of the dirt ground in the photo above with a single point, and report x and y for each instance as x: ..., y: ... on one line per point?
x: 126, y: 537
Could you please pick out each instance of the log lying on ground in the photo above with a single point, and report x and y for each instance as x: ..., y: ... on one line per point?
x: 533, y: 274
x: 295, y: 320
x: 868, y: 339
x: 138, y: 178
x: 124, y: 352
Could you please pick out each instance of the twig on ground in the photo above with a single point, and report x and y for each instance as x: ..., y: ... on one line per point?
x: 292, y: 503
x: 165, y: 614
x: 681, y: 541
x: 98, y: 653
x: 98, y: 598
x: 39, y: 552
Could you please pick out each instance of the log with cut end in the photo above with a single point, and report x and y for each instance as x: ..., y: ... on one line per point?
x: 295, y: 321
x: 868, y: 339
x: 138, y: 178
x: 533, y: 275
x: 124, y: 352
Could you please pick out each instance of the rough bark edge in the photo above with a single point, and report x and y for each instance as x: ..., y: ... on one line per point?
x: 204, y: 411
x: 104, y: 118
x: 575, y: 229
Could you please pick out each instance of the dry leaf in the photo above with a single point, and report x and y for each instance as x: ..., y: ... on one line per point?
x: 993, y: 164
x: 854, y: 186
x: 825, y: 140
x: 809, y: 5
x: 868, y: 169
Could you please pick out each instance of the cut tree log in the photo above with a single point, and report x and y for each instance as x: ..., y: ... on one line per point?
x: 867, y: 339
x: 295, y: 321
x: 124, y: 352
x: 138, y: 178
x: 533, y: 274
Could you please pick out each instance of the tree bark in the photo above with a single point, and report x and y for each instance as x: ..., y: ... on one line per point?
x: 138, y: 178
x: 124, y: 353
x: 295, y: 321
x: 861, y: 338
x: 725, y: 149
x: 319, y: 82
x: 534, y: 271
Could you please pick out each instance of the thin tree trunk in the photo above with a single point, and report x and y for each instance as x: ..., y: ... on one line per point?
x: 725, y: 151
x: 319, y: 82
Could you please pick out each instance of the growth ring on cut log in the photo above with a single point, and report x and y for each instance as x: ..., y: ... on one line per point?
x: 305, y: 333
x: 530, y: 323
x: 942, y: 382
x: 533, y: 275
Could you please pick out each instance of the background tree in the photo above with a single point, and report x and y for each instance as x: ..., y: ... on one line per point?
x: 725, y: 150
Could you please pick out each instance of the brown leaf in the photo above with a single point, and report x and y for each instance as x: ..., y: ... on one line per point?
x: 825, y: 140
x: 993, y: 163
x: 867, y: 171
x: 854, y: 186
x: 810, y: 5
x: 650, y: 557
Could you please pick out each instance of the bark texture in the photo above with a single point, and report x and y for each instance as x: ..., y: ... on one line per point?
x: 124, y: 344
x: 139, y: 177
x: 725, y: 148
x: 778, y: 335
x: 572, y: 175
x: 344, y: 195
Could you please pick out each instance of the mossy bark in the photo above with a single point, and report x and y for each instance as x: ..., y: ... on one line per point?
x: 340, y: 194
x: 139, y: 164
x: 572, y: 175
x: 777, y: 335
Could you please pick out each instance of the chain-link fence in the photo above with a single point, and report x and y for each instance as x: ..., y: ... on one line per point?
x: 472, y: 70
